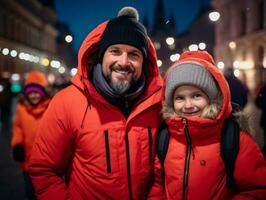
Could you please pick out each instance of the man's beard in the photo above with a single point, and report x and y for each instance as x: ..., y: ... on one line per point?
x: 121, y: 86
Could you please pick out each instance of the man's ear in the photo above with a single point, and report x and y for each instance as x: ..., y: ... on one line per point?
x: 93, y: 60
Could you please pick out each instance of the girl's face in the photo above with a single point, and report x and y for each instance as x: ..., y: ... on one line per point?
x: 34, y: 98
x: 189, y: 101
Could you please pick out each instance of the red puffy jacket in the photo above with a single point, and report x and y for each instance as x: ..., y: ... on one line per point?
x: 206, y: 176
x: 86, y: 148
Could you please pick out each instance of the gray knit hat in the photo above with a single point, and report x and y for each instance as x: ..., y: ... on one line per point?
x: 189, y: 73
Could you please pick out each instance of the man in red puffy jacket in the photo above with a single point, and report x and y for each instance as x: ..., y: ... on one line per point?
x: 97, y: 138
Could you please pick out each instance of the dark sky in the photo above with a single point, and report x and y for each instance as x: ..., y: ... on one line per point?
x: 83, y: 15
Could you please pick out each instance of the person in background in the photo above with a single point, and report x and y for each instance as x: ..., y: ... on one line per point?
x: 196, y: 104
x: 5, y: 106
x: 97, y: 138
x: 27, y: 118
x: 239, y: 91
x: 260, y: 102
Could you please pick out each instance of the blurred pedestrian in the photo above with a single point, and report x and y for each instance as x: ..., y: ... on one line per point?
x: 5, y: 106
x: 238, y: 90
x: 197, y: 103
x: 96, y: 140
x: 261, y: 104
x: 29, y: 112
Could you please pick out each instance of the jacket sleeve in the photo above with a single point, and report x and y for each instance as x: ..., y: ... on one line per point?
x: 157, y: 188
x: 250, y: 170
x: 17, y: 141
x: 51, y: 154
x: 17, y: 134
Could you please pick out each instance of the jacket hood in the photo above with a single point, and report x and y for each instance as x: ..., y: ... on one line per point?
x: 36, y: 77
x: 88, y: 58
x: 209, y: 65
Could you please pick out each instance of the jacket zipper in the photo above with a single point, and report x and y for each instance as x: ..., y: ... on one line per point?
x: 107, y: 151
x: 187, y: 160
x: 128, y: 167
x: 150, y: 145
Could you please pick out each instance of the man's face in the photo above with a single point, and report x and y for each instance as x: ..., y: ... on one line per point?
x: 122, y: 66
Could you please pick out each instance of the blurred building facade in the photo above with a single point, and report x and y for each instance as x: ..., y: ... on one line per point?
x: 163, y: 34
x: 200, y: 35
x: 169, y: 43
x: 65, y: 48
x: 241, y: 39
x: 29, y: 37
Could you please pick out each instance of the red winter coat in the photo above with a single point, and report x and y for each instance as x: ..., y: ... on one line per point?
x: 25, y: 128
x: 27, y: 120
x: 206, y: 178
x: 86, y: 148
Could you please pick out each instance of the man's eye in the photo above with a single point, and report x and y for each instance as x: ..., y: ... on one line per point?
x: 114, y: 51
x: 134, y: 56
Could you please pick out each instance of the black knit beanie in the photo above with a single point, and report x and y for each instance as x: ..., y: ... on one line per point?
x: 124, y: 29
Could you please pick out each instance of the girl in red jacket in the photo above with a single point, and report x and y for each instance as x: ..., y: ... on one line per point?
x: 28, y: 115
x: 196, y: 104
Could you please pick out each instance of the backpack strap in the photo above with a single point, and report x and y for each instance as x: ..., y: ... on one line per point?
x: 230, y: 147
x: 162, y: 141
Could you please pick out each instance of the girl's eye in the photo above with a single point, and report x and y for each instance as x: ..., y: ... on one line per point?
x: 196, y: 96
x: 178, y: 98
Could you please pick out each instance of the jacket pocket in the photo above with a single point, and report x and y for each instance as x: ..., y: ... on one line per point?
x: 98, y: 151
x: 150, y: 144
x: 107, y: 151
x: 144, y: 148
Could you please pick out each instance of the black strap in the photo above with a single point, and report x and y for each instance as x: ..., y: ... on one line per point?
x: 230, y: 147
x: 162, y: 142
x: 18, y: 153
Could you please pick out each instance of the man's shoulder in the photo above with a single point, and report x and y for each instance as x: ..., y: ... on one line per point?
x: 68, y: 91
x: 69, y: 94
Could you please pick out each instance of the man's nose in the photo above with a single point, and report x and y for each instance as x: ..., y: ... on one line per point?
x: 124, y: 60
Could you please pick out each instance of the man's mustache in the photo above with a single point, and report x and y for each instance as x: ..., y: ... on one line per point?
x: 128, y: 69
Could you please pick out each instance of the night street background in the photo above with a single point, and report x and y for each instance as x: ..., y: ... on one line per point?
x: 81, y: 16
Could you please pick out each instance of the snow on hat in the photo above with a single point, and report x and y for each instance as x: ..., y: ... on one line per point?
x: 190, y: 73
x: 125, y: 29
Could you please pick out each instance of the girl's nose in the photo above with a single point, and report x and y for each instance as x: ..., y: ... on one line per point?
x: 188, y: 103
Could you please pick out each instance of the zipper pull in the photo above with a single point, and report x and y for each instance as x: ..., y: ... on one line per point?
x: 184, y: 121
x: 186, y: 131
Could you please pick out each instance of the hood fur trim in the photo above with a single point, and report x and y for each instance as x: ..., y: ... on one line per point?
x: 243, y: 120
